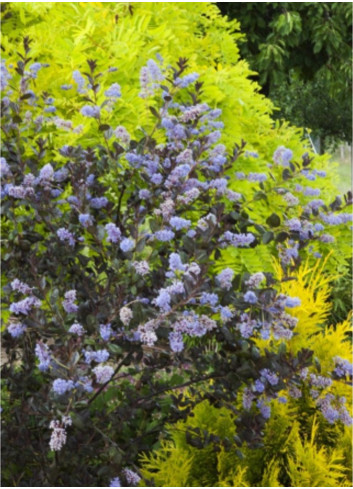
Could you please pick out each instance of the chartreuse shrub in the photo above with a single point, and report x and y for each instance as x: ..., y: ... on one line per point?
x: 201, y: 452
x: 113, y: 295
x: 300, y: 448
x: 122, y: 36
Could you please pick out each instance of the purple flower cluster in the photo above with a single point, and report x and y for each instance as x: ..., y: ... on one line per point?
x: 141, y: 267
x: 90, y: 111
x: 290, y: 199
x: 194, y: 325
x: 226, y: 314
x: 311, y: 192
x: 225, y: 278
x: 164, y: 235
x: 255, y: 280
x: 257, y: 177
x: 127, y: 245
x: 150, y: 75
x: 282, y: 156
x: 292, y: 302
x: 131, y: 477
x: 246, y: 326
x: 294, y: 224
x: 65, y: 236
x: 62, y: 386
x: 115, y: 482
x: 80, y: 81
x: 105, y: 331
x: 333, y: 409
x: 269, y: 376
x: 163, y: 300
x: 20, y: 286
x: 250, y: 297
x: 86, y: 220
x: 78, y: 329
x: 46, y: 175
x: 25, y: 306
x: 114, y: 91
x: 320, y: 381
x: 114, y: 233
x: 336, y: 219
x: 103, y: 373
x: 186, y: 80
x: 175, y: 262
x: 68, y: 302
x: 58, y: 436
x: 343, y: 368
x: 209, y: 298
x: 98, y: 202
x: 265, y: 409
x: 98, y: 356
x: 16, y: 329
x: 238, y: 240
x: 179, y: 223
x: 248, y: 398
x: 44, y: 356
x: 176, y: 341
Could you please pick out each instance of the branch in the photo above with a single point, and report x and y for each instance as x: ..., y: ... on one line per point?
x: 185, y: 384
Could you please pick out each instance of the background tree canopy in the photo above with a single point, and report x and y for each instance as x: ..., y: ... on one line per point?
x: 303, y: 54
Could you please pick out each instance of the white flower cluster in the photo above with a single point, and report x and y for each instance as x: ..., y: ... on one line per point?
x: 58, y: 436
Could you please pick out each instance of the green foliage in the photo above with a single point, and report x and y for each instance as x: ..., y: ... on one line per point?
x: 341, y: 296
x: 303, y: 54
x: 307, y: 38
x: 309, y: 104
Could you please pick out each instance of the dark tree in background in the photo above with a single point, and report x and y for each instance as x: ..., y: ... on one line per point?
x: 303, y: 55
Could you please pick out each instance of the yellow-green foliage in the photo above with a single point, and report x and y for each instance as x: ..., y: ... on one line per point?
x: 312, y: 287
x: 311, y: 466
x: 169, y: 466
x: 245, y: 260
x: 291, y: 455
x: 201, y: 467
x: 124, y: 35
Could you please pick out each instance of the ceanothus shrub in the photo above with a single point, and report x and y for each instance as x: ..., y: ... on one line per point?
x: 114, y: 302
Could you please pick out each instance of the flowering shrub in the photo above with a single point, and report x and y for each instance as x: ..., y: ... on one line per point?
x: 122, y: 36
x: 114, y: 296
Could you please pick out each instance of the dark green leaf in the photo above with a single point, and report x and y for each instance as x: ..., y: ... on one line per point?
x: 273, y: 221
